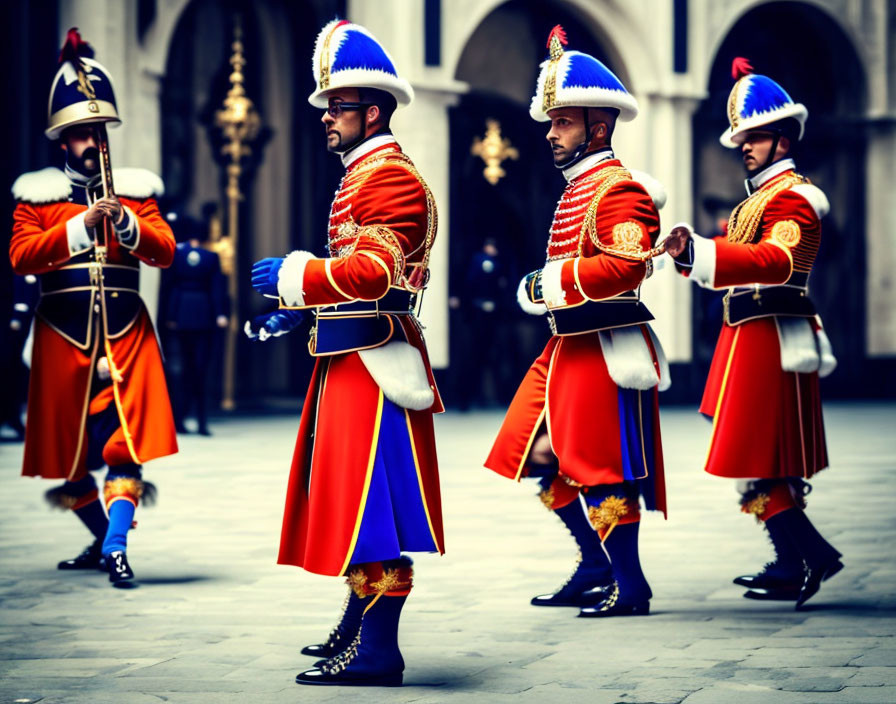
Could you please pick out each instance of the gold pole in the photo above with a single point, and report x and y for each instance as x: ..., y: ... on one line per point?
x: 240, y: 123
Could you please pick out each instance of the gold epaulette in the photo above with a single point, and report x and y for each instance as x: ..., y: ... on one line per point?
x: 745, y: 218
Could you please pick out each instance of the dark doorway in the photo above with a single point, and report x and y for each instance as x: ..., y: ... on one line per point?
x: 818, y: 66
x: 290, y: 176
x: 491, y: 352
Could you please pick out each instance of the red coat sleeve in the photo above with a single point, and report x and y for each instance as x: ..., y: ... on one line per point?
x: 627, y: 226
x: 390, y: 212
x: 33, y: 249
x: 769, y: 261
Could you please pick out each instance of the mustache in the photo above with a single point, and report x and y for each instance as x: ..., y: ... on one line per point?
x: 90, y: 153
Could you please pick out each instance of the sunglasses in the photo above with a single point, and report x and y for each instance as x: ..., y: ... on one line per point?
x: 336, y: 109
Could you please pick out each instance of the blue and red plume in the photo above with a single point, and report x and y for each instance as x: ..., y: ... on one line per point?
x: 558, y: 32
x: 74, y: 48
x: 740, y: 67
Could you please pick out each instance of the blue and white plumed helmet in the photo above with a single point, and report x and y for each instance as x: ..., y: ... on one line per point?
x: 82, y: 90
x: 755, y: 102
x: 574, y: 79
x: 348, y: 56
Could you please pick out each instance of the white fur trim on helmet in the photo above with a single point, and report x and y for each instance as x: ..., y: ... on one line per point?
x: 757, y: 101
x: 580, y: 80
x: 347, y: 55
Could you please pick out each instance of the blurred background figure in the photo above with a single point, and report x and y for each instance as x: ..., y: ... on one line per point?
x: 483, y: 308
x: 194, y: 306
x: 15, y: 393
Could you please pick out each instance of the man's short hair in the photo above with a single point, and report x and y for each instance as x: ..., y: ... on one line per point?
x: 384, y: 101
x: 612, y: 114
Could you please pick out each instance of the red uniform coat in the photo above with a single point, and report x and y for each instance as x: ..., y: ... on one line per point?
x: 767, y: 422
x: 568, y: 389
x: 382, y: 224
x: 61, y: 373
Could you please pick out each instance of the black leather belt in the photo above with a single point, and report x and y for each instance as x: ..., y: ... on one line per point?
x: 618, y: 312
x: 77, y: 278
x: 359, y: 325
x: 741, y: 305
x: 396, y: 301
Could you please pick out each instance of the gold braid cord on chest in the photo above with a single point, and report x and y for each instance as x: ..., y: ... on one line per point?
x: 745, y: 218
x: 345, y: 239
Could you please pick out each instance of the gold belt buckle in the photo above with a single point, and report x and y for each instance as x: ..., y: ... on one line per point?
x: 552, y: 323
x: 725, y: 302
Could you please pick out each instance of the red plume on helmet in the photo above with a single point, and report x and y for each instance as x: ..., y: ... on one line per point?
x: 558, y: 32
x: 74, y: 48
x: 740, y: 67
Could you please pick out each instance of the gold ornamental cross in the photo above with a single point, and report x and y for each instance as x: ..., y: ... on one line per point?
x: 493, y: 149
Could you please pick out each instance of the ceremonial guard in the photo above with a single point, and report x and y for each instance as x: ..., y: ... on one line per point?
x: 762, y: 392
x: 585, y: 418
x: 97, y: 393
x: 364, y: 484
x: 194, y: 306
x: 13, y: 351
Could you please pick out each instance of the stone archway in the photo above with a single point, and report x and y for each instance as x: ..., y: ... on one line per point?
x: 820, y: 67
x: 291, y: 176
x: 500, y: 63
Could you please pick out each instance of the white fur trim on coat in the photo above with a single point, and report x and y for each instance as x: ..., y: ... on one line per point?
x: 665, y: 374
x: 704, y: 270
x: 552, y: 284
x: 654, y: 188
x: 51, y: 185
x: 79, y: 239
x: 397, y: 368
x: 828, y: 360
x: 799, y: 351
x: 291, y: 277
x: 815, y: 196
x: 137, y: 183
x: 45, y: 186
x: 804, y: 349
x: 522, y: 297
x: 628, y: 358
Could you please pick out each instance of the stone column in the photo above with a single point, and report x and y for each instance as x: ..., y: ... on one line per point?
x: 669, y: 158
x: 424, y: 134
x: 880, y: 238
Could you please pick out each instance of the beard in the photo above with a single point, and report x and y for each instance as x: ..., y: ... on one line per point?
x: 343, y: 141
x: 88, y: 163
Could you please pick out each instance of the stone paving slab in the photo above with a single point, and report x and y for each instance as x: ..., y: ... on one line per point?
x: 216, y: 620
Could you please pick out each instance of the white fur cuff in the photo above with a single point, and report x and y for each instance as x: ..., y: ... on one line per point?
x: 79, y: 240
x: 704, y: 270
x: 291, y: 278
x: 522, y: 297
x: 552, y: 284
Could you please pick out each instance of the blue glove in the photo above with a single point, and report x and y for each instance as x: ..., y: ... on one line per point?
x: 265, y: 274
x: 274, y: 324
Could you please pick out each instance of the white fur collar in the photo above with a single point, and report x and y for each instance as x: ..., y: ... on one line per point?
x: 51, y: 185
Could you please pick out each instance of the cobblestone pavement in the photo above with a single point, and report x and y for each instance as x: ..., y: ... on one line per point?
x: 216, y: 620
